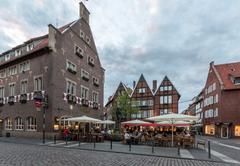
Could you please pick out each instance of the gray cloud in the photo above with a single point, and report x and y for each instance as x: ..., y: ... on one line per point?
x: 154, y: 37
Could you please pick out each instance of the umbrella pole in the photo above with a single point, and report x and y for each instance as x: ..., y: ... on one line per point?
x: 172, y: 134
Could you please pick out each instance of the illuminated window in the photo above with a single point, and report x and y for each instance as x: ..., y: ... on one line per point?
x: 210, y: 129
x: 237, y: 130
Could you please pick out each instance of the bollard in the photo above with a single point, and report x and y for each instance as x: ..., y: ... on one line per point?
x: 130, y: 146
x: 79, y: 142
x: 66, y: 140
x: 54, y: 139
x: 153, y: 147
x: 209, y: 150
x: 94, y: 143
x: 179, y: 148
x: 111, y: 143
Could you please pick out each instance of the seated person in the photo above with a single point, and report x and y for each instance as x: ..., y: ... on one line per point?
x: 127, y: 137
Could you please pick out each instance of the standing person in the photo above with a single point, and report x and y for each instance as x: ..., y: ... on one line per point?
x: 65, y: 133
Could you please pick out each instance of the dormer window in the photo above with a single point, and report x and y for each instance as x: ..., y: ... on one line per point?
x: 237, y: 80
x: 82, y: 34
x: 18, y: 52
x: 30, y: 47
x: 7, y: 57
x: 79, y: 51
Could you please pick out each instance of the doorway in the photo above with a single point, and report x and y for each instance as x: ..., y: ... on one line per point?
x: 224, y: 132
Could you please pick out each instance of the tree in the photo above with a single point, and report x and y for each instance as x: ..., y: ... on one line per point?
x: 122, y: 108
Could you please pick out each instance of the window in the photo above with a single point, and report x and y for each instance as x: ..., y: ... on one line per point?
x: 84, y: 74
x: 161, y: 88
x: 8, y: 124
x: 165, y: 99
x: 237, y: 130
x: 25, y: 66
x: 170, y: 88
x: 79, y: 51
x: 164, y: 111
x: 18, y: 123
x: 7, y: 57
x: 150, y: 103
x: 3, y: 73
x: 141, y: 90
x: 31, y: 124
x: 210, y: 129
x: 216, y: 98
x: 71, y: 66
x: 1, y: 92
x: 23, y: 88
x: 95, y: 97
x: 38, y: 83
x: 237, y: 80
x: 12, y: 89
x: 88, y: 39
x: 216, y: 112
x: 145, y: 114
x: 18, y: 52
x: 84, y: 92
x: 82, y: 34
x: 214, y: 86
x: 90, y: 60
x: 95, y: 81
x: 71, y: 87
x: 12, y: 70
x: 139, y: 114
x: 30, y: 47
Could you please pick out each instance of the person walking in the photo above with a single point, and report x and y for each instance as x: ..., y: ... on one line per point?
x: 65, y: 134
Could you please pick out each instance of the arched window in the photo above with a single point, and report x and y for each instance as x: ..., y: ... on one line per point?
x: 8, y: 124
x: 18, y: 123
x: 31, y: 124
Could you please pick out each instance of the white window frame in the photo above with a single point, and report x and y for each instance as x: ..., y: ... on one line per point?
x: 95, y: 97
x: 3, y: 73
x: 24, y: 86
x: 7, y: 57
x: 24, y: 66
x: 71, y: 87
x: 2, y: 91
x: 37, y: 85
x: 71, y: 65
x: 82, y: 34
x: 142, y: 90
x: 31, y: 124
x: 12, y: 70
x: 84, y: 73
x: 30, y: 47
x: 8, y: 124
x: 18, y: 52
x: 12, y: 89
x: 19, y: 123
x: 84, y: 92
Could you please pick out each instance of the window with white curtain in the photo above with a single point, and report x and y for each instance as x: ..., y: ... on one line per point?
x: 8, y: 124
x: 31, y: 124
x: 18, y: 123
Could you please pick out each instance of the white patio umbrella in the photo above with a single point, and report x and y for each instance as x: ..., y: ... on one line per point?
x: 84, y: 118
x: 136, y: 122
x: 106, y: 122
x: 177, y: 123
x: 173, y: 118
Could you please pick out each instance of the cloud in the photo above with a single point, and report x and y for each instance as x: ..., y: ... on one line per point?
x: 154, y: 37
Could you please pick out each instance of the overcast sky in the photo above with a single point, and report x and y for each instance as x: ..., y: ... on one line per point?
x: 177, y: 38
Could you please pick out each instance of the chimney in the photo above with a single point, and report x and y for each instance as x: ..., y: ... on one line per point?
x: 154, y: 85
x: 211, y: 63
x: 84, y: 13
x: 134, y: 84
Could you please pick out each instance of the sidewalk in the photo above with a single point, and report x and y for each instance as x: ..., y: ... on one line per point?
x: 117, y: 147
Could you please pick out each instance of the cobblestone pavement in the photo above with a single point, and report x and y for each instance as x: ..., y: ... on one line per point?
x: 26, y: 155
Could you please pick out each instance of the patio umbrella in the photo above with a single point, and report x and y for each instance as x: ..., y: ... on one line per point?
x: 136, y: 122
x: 106, y: 122
x: 177, y: 123
x: 172, y: 118
x: 84, y: 118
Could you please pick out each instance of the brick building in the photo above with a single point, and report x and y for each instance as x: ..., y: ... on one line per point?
x: 152, y: 102
x: 221, y: 96
x: 64, y: 66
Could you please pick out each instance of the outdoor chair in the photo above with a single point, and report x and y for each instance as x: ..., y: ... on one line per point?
x: 188, y: 142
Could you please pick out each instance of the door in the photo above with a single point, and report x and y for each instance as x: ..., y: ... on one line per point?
x: 224, y: 132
